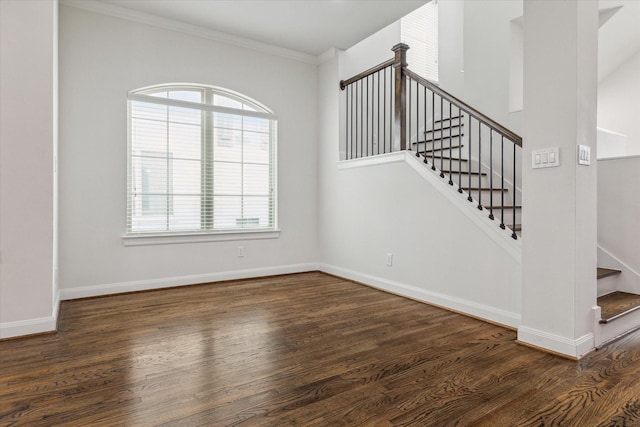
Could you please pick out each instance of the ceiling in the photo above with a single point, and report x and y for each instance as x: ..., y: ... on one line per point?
x: 619, y: 36
x: 307, y: 26
x: 312, y: 27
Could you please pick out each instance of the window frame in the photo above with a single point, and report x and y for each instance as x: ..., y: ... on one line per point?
x: 207, y: 230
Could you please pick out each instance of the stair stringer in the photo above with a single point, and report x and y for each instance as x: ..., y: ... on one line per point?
x: 480, y: 218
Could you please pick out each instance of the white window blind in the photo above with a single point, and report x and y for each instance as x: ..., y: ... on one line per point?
x: 419, y: 30
x: 200, y: 160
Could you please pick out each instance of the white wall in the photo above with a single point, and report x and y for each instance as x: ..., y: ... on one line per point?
x: 559, y: 204
x: 103, y: 57
x: 478, y: 37
x: 487, y: 35
x: 27, y: 142
x: 371, y: 51
x: 439, y: 254
x: 619, y: 209
x: 619, y: 104
x: 451, y: 46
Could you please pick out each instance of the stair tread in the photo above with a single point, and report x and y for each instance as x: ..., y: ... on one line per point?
x: 431, y: 150
x: 505, y: 207
x: 606, y: 272
x: 443, y: 128
x: 455, y: 159
x: 483, y: 188
x: 460, y: 116
x: 617, y: 304
x: 463, y: 172
x: 442, y: 138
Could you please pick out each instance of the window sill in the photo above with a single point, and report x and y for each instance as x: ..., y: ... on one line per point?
x: 177, y: 238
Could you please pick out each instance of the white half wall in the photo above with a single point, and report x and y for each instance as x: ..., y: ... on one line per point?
x: 440, y: 253
x: 28, y: 79
x: 101, y: 58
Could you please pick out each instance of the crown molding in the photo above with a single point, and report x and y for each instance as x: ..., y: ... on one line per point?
x: 327, y: 55
x: 193, y: 30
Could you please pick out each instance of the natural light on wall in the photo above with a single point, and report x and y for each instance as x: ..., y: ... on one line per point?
x: 200, y: 160
x: 419, y: 30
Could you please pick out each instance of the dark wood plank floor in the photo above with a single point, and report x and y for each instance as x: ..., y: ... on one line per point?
x: 301, y: 350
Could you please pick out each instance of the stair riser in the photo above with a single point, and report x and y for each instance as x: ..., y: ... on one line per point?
x: 603, y: 333
x: 606, y: 285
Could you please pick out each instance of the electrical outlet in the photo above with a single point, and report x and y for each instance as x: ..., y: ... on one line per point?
x: 389, y: 260
x: 240, y: 251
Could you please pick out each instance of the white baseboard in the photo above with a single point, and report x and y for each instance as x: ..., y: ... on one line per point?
x: 556, y: 343
x: 150, y: 284
x: 27, y: 327
x: 482, y: 311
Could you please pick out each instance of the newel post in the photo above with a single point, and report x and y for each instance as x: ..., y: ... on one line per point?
x: 400, y: 113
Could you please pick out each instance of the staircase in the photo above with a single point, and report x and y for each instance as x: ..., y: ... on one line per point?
x: 389, y: 108
x: 443, y: 147
x: 444, y: 151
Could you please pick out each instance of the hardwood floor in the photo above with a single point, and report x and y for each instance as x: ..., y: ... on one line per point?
x: 301, y: 350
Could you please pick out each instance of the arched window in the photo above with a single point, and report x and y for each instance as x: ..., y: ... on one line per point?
x: 200, y: 159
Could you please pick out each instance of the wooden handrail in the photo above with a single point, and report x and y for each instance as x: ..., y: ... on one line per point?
x: 400, y: 65
x: 362, y: 75
x: 400, y: 108
x: 515, y: 138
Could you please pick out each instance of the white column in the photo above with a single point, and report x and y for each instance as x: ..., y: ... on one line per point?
x: 560, y: 212
x: 28, y: 105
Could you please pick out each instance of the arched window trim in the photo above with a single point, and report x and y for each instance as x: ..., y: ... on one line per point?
x: 145, y: 94
x: 209, y: 228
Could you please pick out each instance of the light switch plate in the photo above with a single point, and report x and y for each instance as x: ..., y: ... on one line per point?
x: 584, y: 155
x: 545, y: 158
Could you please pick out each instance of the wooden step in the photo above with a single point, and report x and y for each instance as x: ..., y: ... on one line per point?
x: 606, y: 272
x: 484, y: 189
x: 445, y: 158
x: 497, y: 208
x: 463, y: 172
x: 433, y: 150
x: 617, y: 304
x: 443, y: 128
x: 444, y: 119
x: 459, y: 117
x: 455, y: 159
x: 444, y: 138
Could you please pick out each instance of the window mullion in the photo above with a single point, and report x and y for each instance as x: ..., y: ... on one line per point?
x: 207, y: 165
x: 168, y: 176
